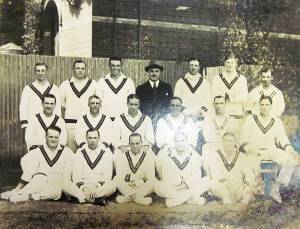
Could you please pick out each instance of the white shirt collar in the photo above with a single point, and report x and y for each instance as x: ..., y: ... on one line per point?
x: 271, y: 88
x: 38, y: 85
x: 152, y: 83
x: 192, y: 77
x: 74, y: 80
x: 108, y: 76
x: 138, y: 115
x: 179, y: 117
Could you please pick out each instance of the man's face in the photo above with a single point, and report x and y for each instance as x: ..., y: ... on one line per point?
x: 40, y: 72
x: 94, y: 105
x: 52, y: 138
x: 180, y: 142
x: 115, y: 67
x: 154, y: 74
x: 48, y: 105
x: 220, y: 105
x: 265, y: 107
x: 135, y: 144
x: 92, y: 139
x: 231, y: 64
x: 80, y: 70
x: 133, y: 105
x: 229, y: 142
x: 194, y: 67
x: 175, y: 106
x: 266, y: 78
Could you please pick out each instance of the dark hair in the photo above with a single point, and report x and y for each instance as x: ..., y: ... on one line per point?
x: 132, y: 96
x: 219, y: 97
x: 263, y: 97
x: 115, y: 58
x: 194, y: 58
x: 175, y: 97
x: 94, y: 96
x: 92, y: 130
x: 56, y: 128
x: 229, y: 134
x: 228, y: 55
x: 48, y: 96
x: 265, y: 68
x: 135, y: 135
x: 78, y: 61
x: 40, y: 64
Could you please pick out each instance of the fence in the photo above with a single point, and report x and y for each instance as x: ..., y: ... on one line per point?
x: 18, y: 70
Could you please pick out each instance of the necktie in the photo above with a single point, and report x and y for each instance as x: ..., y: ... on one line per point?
x: 154, y: 88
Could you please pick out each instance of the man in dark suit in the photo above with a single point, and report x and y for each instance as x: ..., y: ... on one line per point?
x: 154, y: 94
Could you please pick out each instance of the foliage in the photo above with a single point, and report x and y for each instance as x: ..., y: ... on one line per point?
x: 32, y: 27
x: 249, y: 34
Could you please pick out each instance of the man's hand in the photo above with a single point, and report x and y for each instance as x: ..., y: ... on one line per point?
x: 147, y: 147
x: 89, y: 193
x: 123, y: 148
x: 181, y: 187
x: 223, y: 180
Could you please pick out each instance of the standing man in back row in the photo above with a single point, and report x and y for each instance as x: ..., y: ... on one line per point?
x: 33, y: 94
x: 266, y: 88
x: 233, y: 86
x: 114, y: 88
x: 154, y: 94
x: 193, y: 89
x: 75, y: 93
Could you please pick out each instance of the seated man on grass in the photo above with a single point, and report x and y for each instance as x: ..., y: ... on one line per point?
x: 179, y: 170
x: 135, y: 172
x: 93, y: 168
x: 46, y: 172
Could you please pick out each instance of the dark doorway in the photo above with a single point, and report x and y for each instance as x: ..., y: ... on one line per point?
x: 50, y: 23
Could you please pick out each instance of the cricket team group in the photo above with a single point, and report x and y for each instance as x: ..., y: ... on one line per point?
x: 89, y: 139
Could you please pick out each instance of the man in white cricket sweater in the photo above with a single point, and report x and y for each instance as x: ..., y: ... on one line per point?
x: 173, y: 122
x: 75, y: 93
x: 193, y: 89
x: 94, y: 119
x: 229, y: 171
x: 180, y: 176
x: 133, y: 121
x: 38, y: 124
x: 93, y: 168
x: 233, y: 86
x: 268, y: 89
x: 114, y: 88
x: 46, y: 172
x: 135, y: 172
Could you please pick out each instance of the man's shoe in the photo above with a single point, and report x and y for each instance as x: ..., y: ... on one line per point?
x: 173, y: 202
x: 18, y: 198
x: 5, y: 195
x: 143, y: 200
x: 122, y: 199
x: 100, y: 201
x: 274, y: 193
x: 227, y: 201
x: 197, y: 201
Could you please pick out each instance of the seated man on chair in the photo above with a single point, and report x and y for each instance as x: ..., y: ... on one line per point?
x: 46, y: 172
x: 263, y: 137
x: 179, y: 170
x: 135, y: 172
x: 93, y: 168
x: 228, y: 169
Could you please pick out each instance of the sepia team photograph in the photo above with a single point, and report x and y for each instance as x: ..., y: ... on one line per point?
x: 150, y: 114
